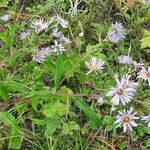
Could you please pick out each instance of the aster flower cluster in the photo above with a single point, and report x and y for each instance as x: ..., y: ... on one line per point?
x: 40, y: 26
x: 124, y: 90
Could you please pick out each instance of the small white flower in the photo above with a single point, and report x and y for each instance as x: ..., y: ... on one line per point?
x: 138, y: 65
x: 60, y: 21
x: 81, y: 34
x: 24, y: 35
x: 39, y: 25
x: 146, y: 119
x: 144, y: 74
x: 124, y: 59
x: 46, y: 51
x: 116, y: 33
x: 38, y: 56
x: 58, y: 48
x: 94, y: 65
x: 123, y: 92
x: 126, y: 119
x: 100, y: 101
x: 57, y: 34
x: 5, y: 18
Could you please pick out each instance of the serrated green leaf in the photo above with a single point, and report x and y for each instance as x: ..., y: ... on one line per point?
x: 69, y: 127
x: 53, y: 125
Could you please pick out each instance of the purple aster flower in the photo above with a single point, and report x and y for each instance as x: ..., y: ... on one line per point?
x: 116, y: 33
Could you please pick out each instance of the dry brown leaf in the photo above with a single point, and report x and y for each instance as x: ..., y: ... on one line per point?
x: 130, y: 3
x: 2, y: 29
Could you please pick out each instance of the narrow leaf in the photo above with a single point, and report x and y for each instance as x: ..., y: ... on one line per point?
x: 59, y: 70
x: 4, y: 92
x: 10, y: 119
x: 81, y: 104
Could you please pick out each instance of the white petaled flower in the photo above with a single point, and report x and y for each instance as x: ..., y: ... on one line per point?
x: 146, y: 119
x: 65, y: 39
x: 144, y: 74
x: 123, y: 92
x: 58, y: 48
x: 138, y: 65
x: 60, y: 21
x: 38, y: 56
x: 126, y: 119
x: 100, y: 101
x: 46, y: 51
x: 81, y: 34
x: 94, y: 65
x: 124, y: 59
x: 57, y: 34
x: 39, y: 25
x: 5, y: 18
x: 24, y: 35
x: 116, y: 33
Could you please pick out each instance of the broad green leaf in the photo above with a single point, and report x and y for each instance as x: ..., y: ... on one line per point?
x: 147, y: 143
x: 145, y: 41
x: 4, y: 92
x: 81, y: 104
x: 10, y: 119
x: 59, y: 70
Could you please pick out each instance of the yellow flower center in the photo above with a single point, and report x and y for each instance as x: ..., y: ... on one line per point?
x: 120, y: 91
x: 46, y: 52
x: 37, y: 55
x: 93, y: 67
x: 126, y: 119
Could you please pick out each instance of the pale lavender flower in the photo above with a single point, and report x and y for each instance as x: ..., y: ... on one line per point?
x: 146, y: 119
x: 5, y: 18
x: 60, y: 20
x: 38, y: 56
x: 116, y: 33
x: 100, y: 101
x: 24, y: 35
x: 57, y: 34
x: 65, y: 39
x: 123, y: 92
x: 126, y: 119
x: 94, y: 65
x: 39, y: 25
x: 58, y: 47
x: 124, y: 59
x: 144, y: 74
x: 46, y: 51
x: 138, y: 65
